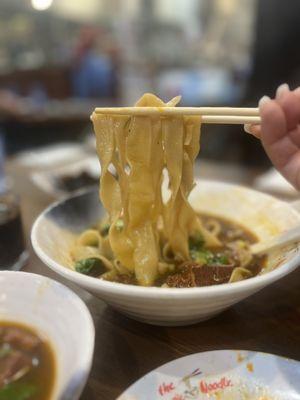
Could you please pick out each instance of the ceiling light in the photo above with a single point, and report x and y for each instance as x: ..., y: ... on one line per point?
x: 41, y: 4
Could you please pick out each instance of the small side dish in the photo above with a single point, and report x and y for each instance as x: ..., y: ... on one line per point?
x: 27, y: 364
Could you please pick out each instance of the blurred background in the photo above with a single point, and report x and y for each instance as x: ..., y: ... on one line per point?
x: 60, y: 58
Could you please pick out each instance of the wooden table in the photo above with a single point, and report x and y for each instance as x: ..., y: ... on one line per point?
x: 125, y: 350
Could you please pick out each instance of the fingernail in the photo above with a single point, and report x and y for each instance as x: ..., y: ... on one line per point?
x: 297, y: 91
x: 282, y: 89
x: 264, y: 100
x: 247, y: 128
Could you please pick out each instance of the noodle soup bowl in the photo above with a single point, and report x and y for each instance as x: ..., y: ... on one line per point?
x: 58, y: 316
x: 56, y: 229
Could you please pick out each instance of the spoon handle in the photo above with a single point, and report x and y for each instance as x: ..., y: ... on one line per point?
x: 289, y: 237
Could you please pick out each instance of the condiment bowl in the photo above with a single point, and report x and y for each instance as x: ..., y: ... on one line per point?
x: 56, y: 228
x: 59, y: 316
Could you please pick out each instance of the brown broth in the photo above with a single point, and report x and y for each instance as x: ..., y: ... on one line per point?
x: 228, y: 227
x: 209, y: 266
x: 230, y: 231
x: 41, y: 376
x: 234, y: 231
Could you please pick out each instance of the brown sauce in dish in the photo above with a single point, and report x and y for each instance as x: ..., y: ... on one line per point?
x: 27, y: 364
x: 230, y: 230
x: 193, y: 274
x: 230, y: 261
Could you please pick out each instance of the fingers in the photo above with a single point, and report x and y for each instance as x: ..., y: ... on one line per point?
x: 297, y: 92
x: 254, y: 130
x: 282, y: 90
x: 273, y: 121
x: 291, y: 171
x: 280, y: 131
x: 290, y: 103
x: 275, y: 139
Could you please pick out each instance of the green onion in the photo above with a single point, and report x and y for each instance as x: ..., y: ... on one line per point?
x: 90, y: 266
x: 119, y: 225
x: 202, y: 256
x: 206, y: 257
x: 104, y: 229
x: 5, y: 350
x: 221, y: 259
x: 196, y: 241
x: 17, y: 391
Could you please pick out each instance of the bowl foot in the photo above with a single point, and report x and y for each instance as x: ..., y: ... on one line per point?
x: 165, y: 322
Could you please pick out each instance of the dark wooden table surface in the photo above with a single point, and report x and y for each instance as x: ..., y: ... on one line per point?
x: 125, y: 350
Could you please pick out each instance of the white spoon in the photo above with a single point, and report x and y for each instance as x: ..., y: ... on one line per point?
x: 288, y: 237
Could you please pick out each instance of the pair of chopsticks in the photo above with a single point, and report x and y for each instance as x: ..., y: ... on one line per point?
x: 209, y: 115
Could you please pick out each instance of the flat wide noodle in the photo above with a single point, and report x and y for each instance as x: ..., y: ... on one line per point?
x: 141, y: 149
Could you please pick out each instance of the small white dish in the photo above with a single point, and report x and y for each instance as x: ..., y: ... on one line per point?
x: 221, y: 375
x: 58, y: 315
x: 52, y: 155
x: 56, y: 229
x: 47, y: 180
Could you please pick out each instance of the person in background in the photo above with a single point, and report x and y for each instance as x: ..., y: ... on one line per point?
x: 10, y: 104
x: 279, y: 131
x: 93, y: 74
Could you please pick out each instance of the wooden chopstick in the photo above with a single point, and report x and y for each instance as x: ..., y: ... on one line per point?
x: 209, y: 115
x: 179, y: 111
x: 230, y: 119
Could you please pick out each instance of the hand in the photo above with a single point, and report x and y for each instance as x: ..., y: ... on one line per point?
x: 279, y: 131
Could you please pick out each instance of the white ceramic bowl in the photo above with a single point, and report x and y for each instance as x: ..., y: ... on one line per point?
x: 56, y: 228
x: 61, y: 317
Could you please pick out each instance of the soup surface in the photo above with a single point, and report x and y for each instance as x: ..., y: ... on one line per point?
x: 27, y: 364
x: 230, y: 262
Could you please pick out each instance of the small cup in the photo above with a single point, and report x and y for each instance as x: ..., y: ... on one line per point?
x: 13, y: 253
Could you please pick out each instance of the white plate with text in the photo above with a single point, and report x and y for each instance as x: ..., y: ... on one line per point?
x: 221, y: 375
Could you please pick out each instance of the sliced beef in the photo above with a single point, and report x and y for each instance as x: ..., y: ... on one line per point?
x: 213, y: 274
x: 14, y: 363
x: 23, y: 340
x: 256, y: 265
x: 183, y: 279
x: 192, y: 275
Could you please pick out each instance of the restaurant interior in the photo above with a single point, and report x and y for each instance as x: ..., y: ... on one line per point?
x: 61, y: 59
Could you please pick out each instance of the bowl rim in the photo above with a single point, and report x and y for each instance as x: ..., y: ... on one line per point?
x: 96, y: 284
x: 85, y: 357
